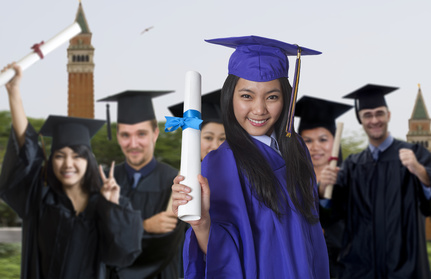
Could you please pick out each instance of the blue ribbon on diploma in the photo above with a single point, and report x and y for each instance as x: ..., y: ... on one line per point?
x: 191, y: 119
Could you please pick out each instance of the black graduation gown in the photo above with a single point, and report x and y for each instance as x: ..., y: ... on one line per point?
x: 160, y: 252
x: 383, y: 205
x: 55, y: 242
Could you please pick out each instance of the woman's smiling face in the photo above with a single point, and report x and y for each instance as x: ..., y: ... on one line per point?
x: 257, y: 105
x: 69, y: 167
x: 319, y: 142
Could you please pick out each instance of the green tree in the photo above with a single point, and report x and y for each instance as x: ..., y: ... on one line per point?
x: 5, y: 128
x: 168, y: 146
x: 8, y: 217
x: 106, y: 150
x: 353, y: 142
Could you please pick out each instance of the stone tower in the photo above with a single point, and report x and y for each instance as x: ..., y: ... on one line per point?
x: 420, y: 123
x: 420, y: 132
x: 80, y: 67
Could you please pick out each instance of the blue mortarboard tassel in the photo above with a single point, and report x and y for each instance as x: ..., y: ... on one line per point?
x: 293, y: 95
x: 191, y: 119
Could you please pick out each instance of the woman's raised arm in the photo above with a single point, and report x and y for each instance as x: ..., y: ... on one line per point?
x: 19, y: 119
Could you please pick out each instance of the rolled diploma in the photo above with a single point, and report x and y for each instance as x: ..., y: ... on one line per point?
x: 190, y: 151
x: 335, y: 152
x: 53, y: 43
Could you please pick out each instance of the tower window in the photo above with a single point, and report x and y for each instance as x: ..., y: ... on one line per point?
x: 80, y: 58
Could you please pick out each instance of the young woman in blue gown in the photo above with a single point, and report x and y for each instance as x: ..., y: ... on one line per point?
x: 259, y: 214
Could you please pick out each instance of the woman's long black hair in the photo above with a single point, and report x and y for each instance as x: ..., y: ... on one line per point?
x: 251, y: 163
x: 92, y: 181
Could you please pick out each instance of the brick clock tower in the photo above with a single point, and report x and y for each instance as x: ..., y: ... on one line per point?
x: 80, y: 67
x: 420, y: 132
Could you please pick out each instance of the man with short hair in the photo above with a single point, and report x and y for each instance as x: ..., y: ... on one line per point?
x: 383, y: 194
x: 147, y: 183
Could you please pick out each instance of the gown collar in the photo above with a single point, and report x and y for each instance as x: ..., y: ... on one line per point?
x: 145, y: 170
x: 383, y: 146
x: 267, y: 140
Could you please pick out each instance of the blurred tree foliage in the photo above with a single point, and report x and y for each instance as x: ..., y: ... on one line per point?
x: 8, y: 217
x: 353, y: 142
x: 168, y: 146
x: 106, y: 150
x: 4, y: 131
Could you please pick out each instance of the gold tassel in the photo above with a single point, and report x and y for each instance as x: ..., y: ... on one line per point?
x: 291, y: 114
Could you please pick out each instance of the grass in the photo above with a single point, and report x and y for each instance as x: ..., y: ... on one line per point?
x: 429, y: 251
x: 10, y: 259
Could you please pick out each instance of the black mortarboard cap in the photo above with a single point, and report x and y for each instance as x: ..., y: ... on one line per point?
x: 70, y: 131
x: 369, y: 96
x: 134, y: 106
x: 210, y: 110
x: 316, y: 112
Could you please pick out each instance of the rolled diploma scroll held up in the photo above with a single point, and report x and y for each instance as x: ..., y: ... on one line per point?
x: 335, y: 152
x: 53, y: 43
x: 190, y: 151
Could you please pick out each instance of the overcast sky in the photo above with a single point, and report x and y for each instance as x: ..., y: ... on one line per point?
x: 380, y: 42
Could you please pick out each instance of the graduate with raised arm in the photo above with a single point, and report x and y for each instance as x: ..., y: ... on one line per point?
x: 383, y: 194
x: 74, y: 221
x: 259, y: 215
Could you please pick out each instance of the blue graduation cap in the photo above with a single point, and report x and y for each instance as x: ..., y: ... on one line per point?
x: 261, y: 59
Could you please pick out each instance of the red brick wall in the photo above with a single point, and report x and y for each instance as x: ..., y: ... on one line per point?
x: 81, y: 97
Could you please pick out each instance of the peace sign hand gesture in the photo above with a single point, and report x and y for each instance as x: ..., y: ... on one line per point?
x: 110, y: 189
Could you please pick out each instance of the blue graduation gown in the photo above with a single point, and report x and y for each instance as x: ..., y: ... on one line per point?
x: 246, y: 239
